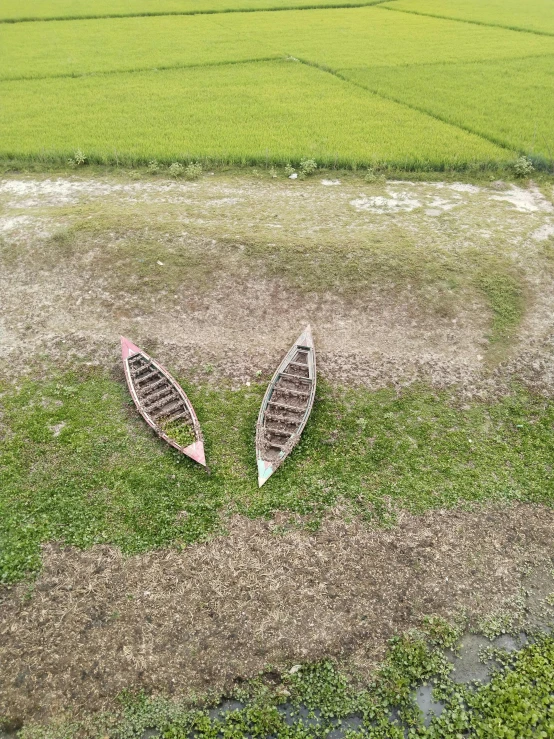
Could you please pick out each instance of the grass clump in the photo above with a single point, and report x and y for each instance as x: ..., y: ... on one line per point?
x: 307, y: 167
x: 78, y: 159
x: 176, y: 170
x: 193, y: 171
x: 523, y: 167
x: 497, y: 279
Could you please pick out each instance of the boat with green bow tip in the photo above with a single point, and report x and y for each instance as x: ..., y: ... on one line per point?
x: 286, y: 406
x: 162, y: 402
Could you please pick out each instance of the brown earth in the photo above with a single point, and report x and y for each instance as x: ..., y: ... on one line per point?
x: 96, y: 622
x: 216, y: 278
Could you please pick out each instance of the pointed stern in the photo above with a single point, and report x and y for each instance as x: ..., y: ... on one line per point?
x: 265, y: 470
x: 196, y: 451
x: 128, y: 348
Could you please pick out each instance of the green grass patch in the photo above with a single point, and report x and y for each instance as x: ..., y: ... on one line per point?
x: 509, y: 102
x: 125, y: 44
x: 532, y: 15
x: 265, y: 112
x: 318, y: 698
x: 79, y: 465
x: 502, y: 287
x: 373, y: 37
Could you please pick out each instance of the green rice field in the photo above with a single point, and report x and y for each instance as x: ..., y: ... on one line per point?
x: 271, y: 111
x: 537, y: 16
x: 351, y: 86
x: 13, y: 11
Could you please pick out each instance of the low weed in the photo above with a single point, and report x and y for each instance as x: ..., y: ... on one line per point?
x: 78, y: 159
x: 176, y: 170
x: 523, y: 167
x: 193, y: 171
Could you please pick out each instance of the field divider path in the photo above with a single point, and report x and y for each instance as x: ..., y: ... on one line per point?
x: 454, y: 63
x: 158, y: 68
x: 154, y: 14
x: 467, y: 129
x: 519, y: 29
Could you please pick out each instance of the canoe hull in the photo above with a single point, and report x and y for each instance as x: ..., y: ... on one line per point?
x: 286, y: 406
x: 162, y: 402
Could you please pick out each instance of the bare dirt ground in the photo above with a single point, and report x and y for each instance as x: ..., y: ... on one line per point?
x: 189, y: 270
x: 96, y: 622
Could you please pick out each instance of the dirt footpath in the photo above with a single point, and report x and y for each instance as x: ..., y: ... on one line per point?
x: 218, y: 276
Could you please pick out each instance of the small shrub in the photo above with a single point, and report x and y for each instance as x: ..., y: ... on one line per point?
x: 153, y: 166
x: 373, y: 176
x: 273, y: 172
x: 289, y: 169
x: 307, y: 167
x: 78, y: 159
x: 193, y: 171
x: 523, y: 167
x: 176, y: 170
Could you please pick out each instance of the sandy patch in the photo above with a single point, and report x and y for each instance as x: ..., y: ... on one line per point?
x: 381, y: 204
x: 526, y: 201
x: 543, y: 233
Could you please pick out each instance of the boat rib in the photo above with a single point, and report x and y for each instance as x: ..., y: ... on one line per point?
x: 286, y: 406
x: 162, y: 402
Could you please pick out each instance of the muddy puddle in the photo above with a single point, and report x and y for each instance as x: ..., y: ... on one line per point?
x: 469, y: 668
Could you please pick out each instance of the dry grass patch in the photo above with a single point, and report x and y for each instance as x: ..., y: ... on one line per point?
x: 96, y: 622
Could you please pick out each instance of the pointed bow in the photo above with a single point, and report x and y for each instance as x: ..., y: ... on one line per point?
x: 196, y: 451
x: 306, y: 338
x: 128, y: 348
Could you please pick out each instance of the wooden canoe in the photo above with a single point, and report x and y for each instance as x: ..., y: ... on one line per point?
x: 286, y: 406
x: 162, y: 402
